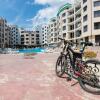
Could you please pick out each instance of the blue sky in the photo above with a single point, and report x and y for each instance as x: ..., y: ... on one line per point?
x: 27, y: 13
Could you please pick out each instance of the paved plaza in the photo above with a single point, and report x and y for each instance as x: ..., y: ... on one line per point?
x: 35, y: 79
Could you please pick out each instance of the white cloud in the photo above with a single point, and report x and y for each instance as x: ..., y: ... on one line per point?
x: 45, y: 14
x: 52, y: 2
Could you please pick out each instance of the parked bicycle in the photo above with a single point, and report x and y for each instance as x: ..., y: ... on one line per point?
x: 86, y: 72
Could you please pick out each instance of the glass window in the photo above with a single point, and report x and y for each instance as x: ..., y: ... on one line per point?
x: 84, y: 1
x: 37, y: 35
x: 32, y: 34
x: 64, y: 27
x: 51, y: 30
x: 85, y: 28
x: 97, y: 25
x: 96, y: 3
x: 27, y: 35
x: 97, y: 13
x: 27, y: 38
x: 51, y: 25
x: 85, y: 8
x: 64, y: 21
x: 85, y: 18
x: 64, y: 14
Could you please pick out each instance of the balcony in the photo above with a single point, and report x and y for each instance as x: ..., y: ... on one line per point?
x: 70, y: 16
x: 64, y: 35
x: 78, y: 7
x: 77, y: 16
x: 69, y: 31
x: 71, y: 12
x: 78, y: 24
x: 78, y: 33
x: 71, y: 28
x: 71, y: 35
x: 71, y: 20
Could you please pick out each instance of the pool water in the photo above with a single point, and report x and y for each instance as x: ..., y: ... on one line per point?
x: 33, y: 50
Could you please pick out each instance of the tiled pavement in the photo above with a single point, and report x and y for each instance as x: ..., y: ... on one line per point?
x: 35, y: 79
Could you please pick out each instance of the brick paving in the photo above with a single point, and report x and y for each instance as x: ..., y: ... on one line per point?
x: 35, y: 79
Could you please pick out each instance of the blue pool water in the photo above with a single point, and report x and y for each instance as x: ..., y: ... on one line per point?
x: 33, y: 50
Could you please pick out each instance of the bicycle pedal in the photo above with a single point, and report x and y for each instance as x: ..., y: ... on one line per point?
x: 69, y: 78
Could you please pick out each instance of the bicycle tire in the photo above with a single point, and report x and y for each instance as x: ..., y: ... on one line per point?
x: 94, y: 89
x: 58, y: 62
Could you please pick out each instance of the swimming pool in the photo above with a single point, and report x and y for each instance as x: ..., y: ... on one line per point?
x: 33, y: 50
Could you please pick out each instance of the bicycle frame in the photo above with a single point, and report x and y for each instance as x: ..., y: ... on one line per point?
x: 73, y: 60
x: 73, y: 56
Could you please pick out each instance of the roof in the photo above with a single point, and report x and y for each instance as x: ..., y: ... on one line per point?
x: 64, y: 7
x: 53, y: 19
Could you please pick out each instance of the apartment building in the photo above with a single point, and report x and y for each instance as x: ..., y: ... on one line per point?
x: 74, y: 23
x: 14, y: 36
x: 84, y: 21
x: 62, y: 20
x: 52, y: 33
x: 94, y: 11
x: 80, y: 21
x: 30, y: 38
x: 27, y: 38
x: 4, y: 33
x: 37, y: 38
x: 43, y: 33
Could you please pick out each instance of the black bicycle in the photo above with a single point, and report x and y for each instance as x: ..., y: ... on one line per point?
x: 86, y: 72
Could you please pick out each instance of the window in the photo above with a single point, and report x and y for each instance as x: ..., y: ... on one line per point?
x: 85, y: 28
x: 96, y: 3
x: 85, y: 8
x: 27, y: 42
x: 51, y: 30
x: 37, y: 35
x: 55, y: 29
x: 51, y: 25
x: 32, y: 34
x: 64, y: 14
x: 27, y: 35
x: 84, y: 1
x: 85, y: 18
x: 64, y: 28
x: 27, y: 38
x: 97, y: 13
x: 55, y: 24
x: 97, y: 25
x: 64, y: 21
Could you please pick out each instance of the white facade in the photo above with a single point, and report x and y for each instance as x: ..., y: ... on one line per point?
x: 4, y: 33
x: 52, y: 33
x: 82, y: 21
x: 62, y: 20
x: 27, y: 38
x: 43, y: 32
x: 30, y: 38
x: 14, y: 35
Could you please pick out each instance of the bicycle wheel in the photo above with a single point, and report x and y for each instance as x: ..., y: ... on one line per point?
x: 59, y: 69
x: 91, y: 84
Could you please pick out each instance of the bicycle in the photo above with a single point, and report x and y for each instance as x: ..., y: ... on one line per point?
x: 86, y: 72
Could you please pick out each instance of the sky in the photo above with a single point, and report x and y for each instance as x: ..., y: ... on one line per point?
x: 29, y: 13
